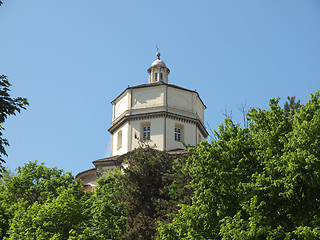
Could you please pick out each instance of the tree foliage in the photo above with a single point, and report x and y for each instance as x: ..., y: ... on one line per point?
x: 148, y: 184
x: 106, y: 217
x: 47, y: 203
x: 257, y: 182
x: 54, y: 219
x: 291, y: 105
x: 8, y: 106
x: 36, y: 183
x: 39, y: 203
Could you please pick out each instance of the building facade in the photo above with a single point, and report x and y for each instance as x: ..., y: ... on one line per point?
x: 161, y: 114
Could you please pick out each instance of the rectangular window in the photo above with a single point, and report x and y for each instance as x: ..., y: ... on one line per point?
x: 119, y: 145
x: 146, y: 133
x: 161, y: 77
x: 156, y: 77
x: 177, y: 134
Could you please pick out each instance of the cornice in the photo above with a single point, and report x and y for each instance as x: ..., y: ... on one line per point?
x: 158, y: 114
x: 156, y: 108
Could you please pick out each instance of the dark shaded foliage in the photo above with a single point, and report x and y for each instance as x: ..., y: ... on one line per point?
x: 8, y: 106
x: 151, y: 190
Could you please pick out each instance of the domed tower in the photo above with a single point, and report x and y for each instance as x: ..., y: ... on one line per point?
x: 158, y: 72
x: 164, y: 115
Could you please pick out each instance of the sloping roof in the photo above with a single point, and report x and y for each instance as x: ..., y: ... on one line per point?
x: 86, y: 172
x: 117, y: 160
x: 90, y: 176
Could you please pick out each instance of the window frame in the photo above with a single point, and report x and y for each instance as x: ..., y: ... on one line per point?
x: 146, y: 131
x: 178, y: 133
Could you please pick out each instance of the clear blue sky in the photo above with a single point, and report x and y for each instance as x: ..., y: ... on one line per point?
x: 72, y: 58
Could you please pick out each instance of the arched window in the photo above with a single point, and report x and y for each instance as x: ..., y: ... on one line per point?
x: 156, y: 77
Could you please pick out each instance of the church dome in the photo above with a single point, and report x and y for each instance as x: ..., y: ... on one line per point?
x: 158, y: 62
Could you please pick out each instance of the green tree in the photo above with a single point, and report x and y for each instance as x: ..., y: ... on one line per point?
x: 257, y: 182
x: 36, y: 183
x: 106, y: 217
x: 56, y: 218
x: 291, y: 105
x: 8, y: 106
x: 47, y: 203
x: 36, y: 197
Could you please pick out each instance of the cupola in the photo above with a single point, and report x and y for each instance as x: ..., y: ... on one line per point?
x: 158, y: 72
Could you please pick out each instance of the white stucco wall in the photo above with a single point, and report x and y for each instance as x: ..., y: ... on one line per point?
x: 143, y: 99
x: 200, y: 137
x: 199, y: 108
x: 121, y: 105
x: 157, y: 99
x: 156, y: 132
x: 189, y: 134
x: 148, y: 97
x: 125, y: 135
x: 180, y: 99
x: 160, y: 128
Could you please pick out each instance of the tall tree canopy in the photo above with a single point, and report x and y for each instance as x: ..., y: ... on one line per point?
x: 257, y: 182
x: 144, y: 196
x: 44, y: 203
x: 8, y: 106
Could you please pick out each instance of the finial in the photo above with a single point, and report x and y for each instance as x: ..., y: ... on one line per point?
x: 158, y: 53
